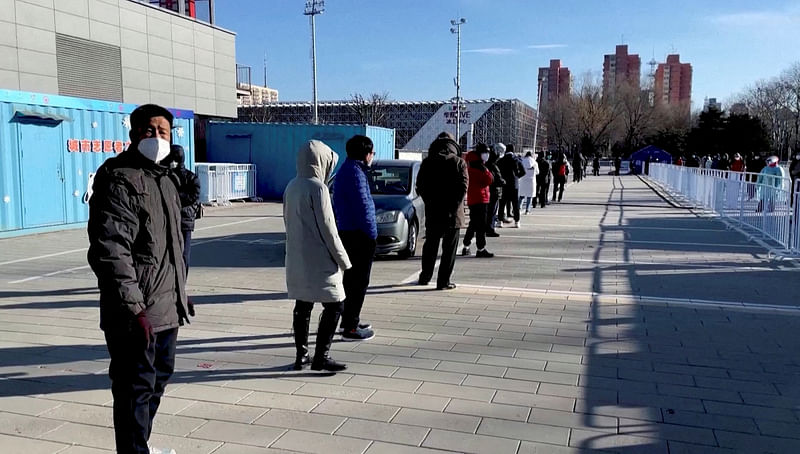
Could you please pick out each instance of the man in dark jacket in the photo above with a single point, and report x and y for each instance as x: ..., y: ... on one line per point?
x: 511, y: 168
x: 577, y: 167
x: 794, y: 173
x: 543, y: 179
x: 135, y: 249
x: 496, y: 190
x: 442, y: 182
x: 355, y: 219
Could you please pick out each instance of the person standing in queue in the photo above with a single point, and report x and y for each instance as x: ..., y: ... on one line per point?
x: 136, y: 252
x: 543, y: 179
x: 480, y: 180
x: 511, y: 168
x: 315, y: 257
x: 495, y: 194
x: 355, y: 218
x: 527, y: 183
x: 188, y: 185
x: 442, y: 183
x: 560, y: 172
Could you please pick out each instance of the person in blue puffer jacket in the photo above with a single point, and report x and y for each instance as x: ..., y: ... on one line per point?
x: 355, y: 219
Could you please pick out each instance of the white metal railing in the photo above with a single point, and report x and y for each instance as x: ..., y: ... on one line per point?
x: 220, y: 183
x: 763, y: 206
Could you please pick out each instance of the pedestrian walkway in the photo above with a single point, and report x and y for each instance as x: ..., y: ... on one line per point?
x: 610, y: 322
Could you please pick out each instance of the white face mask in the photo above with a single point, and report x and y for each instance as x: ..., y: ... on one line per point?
x: 797, y: 156
x: 154, y: 149
x: 484, y: 157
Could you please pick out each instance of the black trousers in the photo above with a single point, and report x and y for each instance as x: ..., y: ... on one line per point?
x: 448, y: 236
x: 541, y: 192
x: 511, y: 195
x: 491, y: 211
x: 558, y: 188
x: 139, y: 375
x: 477, y: 225
x: 361, y: 250
x: 187, y: 248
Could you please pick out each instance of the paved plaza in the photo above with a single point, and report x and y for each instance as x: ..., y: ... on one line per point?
x: 612, y: 322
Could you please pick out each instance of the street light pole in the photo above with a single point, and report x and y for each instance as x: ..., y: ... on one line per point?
x: 456, y: 29
x: 314, y: 7
x: 538, y: 108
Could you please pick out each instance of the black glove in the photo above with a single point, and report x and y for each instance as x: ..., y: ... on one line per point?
x: 190, y: 304
x: 146, y: 327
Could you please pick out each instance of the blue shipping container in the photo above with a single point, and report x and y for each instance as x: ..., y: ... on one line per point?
x: 50, y: 147
x: 273, y: 147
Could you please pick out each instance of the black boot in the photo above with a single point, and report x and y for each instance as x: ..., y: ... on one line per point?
x: 300, y: 324
x: 327, y: 326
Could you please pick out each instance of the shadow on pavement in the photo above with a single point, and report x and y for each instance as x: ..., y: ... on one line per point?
x: 244, y: 250
x: 685, y: 378
x: 63, y: 368
x: 199, y: 299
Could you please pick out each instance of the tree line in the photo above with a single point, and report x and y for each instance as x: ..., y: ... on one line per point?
x: 764, y: 119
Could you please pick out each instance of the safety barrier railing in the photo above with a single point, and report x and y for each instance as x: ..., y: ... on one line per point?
x: 762, y: 206
x: 220, y: 182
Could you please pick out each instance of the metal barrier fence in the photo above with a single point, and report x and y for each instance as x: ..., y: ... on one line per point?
x: 221, y: 183
x: 762, y: 206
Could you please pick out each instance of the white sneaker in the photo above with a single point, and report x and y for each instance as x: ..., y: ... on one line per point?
x: 516, y: 224
x: 154, y: 450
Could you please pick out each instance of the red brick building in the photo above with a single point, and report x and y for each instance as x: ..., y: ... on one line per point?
x: 673, y: 82
x: 555, y: 81
x: 620, y: 67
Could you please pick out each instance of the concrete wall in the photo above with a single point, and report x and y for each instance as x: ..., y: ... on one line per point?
x: 167, y: 59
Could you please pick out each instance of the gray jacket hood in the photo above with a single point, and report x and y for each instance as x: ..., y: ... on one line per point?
x: 316, y: 160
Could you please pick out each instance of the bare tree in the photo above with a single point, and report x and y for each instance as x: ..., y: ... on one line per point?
x: 371, y: 110
x: 595, y: 114
x: 776, y: 103
x: 636, y: 118
x: 560, y: 122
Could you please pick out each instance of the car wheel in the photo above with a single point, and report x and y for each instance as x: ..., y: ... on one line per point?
x: 411, y: 242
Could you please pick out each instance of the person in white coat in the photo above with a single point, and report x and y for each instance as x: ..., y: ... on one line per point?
x: 527, y: 183
x: 315, y: 257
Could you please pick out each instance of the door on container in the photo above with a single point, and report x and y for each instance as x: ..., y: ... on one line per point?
x: 239, y: 149
x: 42, y: 173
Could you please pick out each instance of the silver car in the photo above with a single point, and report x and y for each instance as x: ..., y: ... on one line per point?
x: 399, y: 210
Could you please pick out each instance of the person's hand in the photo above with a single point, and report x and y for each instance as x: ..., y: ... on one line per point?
x: 190, y: 304
x: 146, y: 327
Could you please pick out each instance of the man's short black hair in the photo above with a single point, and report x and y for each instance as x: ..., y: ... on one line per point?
x: 358, y: 147
x: 141, y: 116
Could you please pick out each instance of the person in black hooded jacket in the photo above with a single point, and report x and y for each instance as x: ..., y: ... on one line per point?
x: 543, y: 179
x: 496, y: 193
x: 511, y: 168
x: 189, y: 190
x: 136, y: 252
x: 442, y: 183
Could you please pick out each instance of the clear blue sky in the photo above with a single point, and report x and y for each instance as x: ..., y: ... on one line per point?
x: 405, y: 47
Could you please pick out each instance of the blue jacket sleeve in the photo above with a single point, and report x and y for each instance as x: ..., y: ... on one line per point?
x: 352, y: 200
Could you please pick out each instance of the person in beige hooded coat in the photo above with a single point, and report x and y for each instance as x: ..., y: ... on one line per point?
x: 315, y: 256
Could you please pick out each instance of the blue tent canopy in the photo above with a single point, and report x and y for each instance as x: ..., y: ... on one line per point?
x: 652, y: 153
